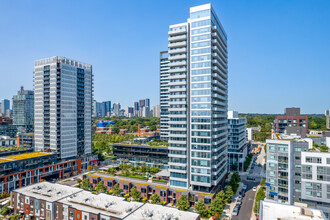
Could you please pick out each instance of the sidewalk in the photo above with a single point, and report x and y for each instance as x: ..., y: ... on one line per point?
x: 230, y: 207
x: 253, y: 216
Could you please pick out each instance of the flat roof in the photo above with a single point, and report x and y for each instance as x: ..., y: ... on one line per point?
x: 48, y: 191
x: 270, y: 210
x: 159, y: 212
x: 23, y: 156
x: 101, y: 203
x: 163, y: 173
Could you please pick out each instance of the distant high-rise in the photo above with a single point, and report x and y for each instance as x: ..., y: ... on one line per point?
x: 136, y: 108
x: 116, y: 109
x: 142, y: 102
x: 156, y: 111
x: 106, y: 108
x: 147, y: 102
x: 164, y: 94
x: 23, y: 110
x: 63, y: 90
x: 198, y: 97
x: 5, y: 105
x: 129, y: 111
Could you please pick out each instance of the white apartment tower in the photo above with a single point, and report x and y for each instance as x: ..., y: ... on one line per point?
x: 63, y: 91
x: 164, y: 95
x: 197, y: 110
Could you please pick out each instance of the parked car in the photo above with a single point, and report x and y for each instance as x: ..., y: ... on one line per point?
x: 244, y: 187
x: 242, y: 193
x: 251, y: 171
x: 239, y: 201
x: 235, y: 211
x: 250, y: 178
x: 254, y: 188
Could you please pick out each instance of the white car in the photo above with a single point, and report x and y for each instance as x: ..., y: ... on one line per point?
x: 254, y: 188
x: 235, y: 211
x: 244, y: 187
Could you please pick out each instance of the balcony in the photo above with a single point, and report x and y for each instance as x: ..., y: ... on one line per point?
x: 175, y: 51
x: 181, y: 63
x: 178, y: 44
x: 178, y: 70
x: 178, y: 31
x: 177, y: 38
x: 178, y: 57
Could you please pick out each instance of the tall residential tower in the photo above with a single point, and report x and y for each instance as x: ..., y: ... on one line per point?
x: 63, y: 90
x: 197, y: 110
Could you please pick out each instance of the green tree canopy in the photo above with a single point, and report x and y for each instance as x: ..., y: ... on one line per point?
x: 85, y: 184
x: 183, y: 203
x: 201, y: 208
x: 155, y: 199
x: 100, y: 187
x: 116, y: 190
x: 135, y: 194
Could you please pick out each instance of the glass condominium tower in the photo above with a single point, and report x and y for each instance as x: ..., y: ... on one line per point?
x: 198, y: 100
x: 63, y: 92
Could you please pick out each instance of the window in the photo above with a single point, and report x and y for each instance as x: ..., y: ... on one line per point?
x: 309, y: 160
x: 201, y: 31
x: 200, y: 14
x: 200, y: 23
x: 271, y: 147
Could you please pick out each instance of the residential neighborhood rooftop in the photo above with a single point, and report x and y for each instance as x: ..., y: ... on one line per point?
x: 270, y: 210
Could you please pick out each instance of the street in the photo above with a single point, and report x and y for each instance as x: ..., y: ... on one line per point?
x: 245, y: 212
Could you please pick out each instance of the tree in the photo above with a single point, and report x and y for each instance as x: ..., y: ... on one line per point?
x: 229, y: 194
x: 183, y: 203
x: 263, y: 182
x: 200, y: 208
x: 155, y: 198
x: 100, y: 187
x: 116, y: 191
x: 112, y: 171
x: 89, y: 168
x: 135, y: 194
x: 4, y: 210
x: 85, y: 184
x: 216, y: 206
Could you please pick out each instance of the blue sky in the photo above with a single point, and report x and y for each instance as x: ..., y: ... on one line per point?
x: 279, y: 51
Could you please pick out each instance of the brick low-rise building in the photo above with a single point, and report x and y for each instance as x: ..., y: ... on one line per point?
x: 147, y: 188
x: 59, y: 202
x: 21, y: 170
x: 292, y: 122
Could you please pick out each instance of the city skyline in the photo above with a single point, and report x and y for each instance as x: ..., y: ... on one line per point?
x: 273, y: 56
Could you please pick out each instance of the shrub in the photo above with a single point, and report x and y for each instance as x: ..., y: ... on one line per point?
x: 164, y: 203
x: 144, y: 199
x: 110, y: 192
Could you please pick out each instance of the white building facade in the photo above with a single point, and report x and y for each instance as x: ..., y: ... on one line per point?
x: 63, y: 106
x: 198, y: 101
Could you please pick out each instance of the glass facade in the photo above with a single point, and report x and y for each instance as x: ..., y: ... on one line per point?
x: 202, y: 107
x: 23, y: 113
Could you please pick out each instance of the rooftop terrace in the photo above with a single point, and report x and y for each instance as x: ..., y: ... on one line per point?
x: 22, y: 156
